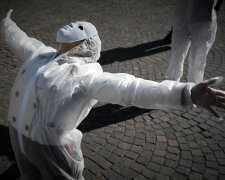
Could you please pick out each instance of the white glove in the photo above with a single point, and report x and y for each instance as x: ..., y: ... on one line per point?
x: 204, y: 96
x: 3, y: 23
x: 8, y: 14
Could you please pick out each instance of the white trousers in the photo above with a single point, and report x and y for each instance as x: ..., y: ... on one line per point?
x: 198, y: 38
x: 45, y: 162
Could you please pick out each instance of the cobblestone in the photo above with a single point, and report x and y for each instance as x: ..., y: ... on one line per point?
x: 171, y: 163
x: 177, y: 176
x: 158, y: 159
x: 198, y: 168
x: 212, y: 165
x: 126, y: 142
x: 186, y: 163
x: 183, y: 170
x: 195, y: 176
x: 186, y: 155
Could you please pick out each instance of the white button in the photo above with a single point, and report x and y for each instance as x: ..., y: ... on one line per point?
x: 27, y: 127
x: 54, y: 88
x: 35, y: 105
x: 23, y: 71
x: 16, y: 93
x: 51, y: 124
x: 14, y: 119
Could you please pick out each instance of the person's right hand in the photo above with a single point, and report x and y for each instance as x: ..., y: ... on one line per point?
x: 8, y: 14
x: 204, y: 96
x: 3, y: 22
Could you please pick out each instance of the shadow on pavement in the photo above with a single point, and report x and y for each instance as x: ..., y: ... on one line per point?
x: 6, y: 151
x: 122, y: 54
x: 109, y: 114
x: 98, y: 117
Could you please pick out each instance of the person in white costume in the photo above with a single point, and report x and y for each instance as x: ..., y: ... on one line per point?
x: 194, y: 30
x: 55, y: 90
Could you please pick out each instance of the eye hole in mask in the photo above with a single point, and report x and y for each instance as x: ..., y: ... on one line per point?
x: 81, y: 27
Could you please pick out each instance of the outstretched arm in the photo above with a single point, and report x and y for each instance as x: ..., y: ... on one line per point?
x: 125, y: 89
x: 23, y: 46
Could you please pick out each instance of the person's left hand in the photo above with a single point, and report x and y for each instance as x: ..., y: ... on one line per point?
x: 204, y: 96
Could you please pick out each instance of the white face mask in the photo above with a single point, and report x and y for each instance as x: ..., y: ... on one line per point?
x: 76, y: 31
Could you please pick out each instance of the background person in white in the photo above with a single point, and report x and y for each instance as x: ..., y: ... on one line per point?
x: 62, y: 94
x: 194, y: 30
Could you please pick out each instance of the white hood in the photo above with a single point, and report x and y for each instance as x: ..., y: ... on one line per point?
x: 86, y: 52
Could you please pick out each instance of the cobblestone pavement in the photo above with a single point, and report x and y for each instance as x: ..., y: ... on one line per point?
x: 125, y: 142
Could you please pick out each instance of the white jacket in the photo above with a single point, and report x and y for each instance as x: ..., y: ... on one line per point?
x: 63, y: 94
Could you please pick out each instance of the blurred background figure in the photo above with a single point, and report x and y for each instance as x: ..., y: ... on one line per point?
x: 168, y: 37
x: 194, y: 29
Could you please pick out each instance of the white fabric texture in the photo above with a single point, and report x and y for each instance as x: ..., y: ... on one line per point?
x: 64, y: 93
x: 87, y: 52
x: 194, y: 30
